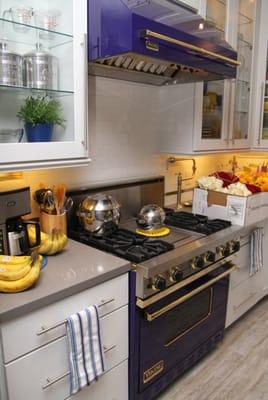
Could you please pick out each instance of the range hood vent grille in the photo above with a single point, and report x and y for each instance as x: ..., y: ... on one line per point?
x: 133, y: 67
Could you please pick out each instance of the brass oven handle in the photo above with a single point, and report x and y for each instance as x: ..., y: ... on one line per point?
x: 50, y: 382
x: 50, y: 328
x: 151, y: 316
x: 147, y: 32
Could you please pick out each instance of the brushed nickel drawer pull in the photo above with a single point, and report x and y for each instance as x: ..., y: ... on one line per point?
x: 50, y: 328
x: 152, y: 316
x: 52, y: 381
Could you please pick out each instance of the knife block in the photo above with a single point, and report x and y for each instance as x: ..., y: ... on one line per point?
x: 48, y: 222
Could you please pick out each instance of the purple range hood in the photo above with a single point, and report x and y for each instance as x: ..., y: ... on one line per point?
x: 156, y: 42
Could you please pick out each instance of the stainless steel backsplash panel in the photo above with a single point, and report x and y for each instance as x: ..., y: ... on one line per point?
x: 132, y: 195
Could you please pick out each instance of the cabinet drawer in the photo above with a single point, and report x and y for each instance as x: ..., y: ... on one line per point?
x: 243, y: 297
x: 242, y: 260
x: 26, y: 376
x: 28, y: 327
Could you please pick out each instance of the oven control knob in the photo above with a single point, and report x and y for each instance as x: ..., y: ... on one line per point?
x: 224, y: 251
x: 176, y: 275
x: 234, y: 246
x: 159, y: 283
x: 209, y: 257
x: 198, y: 262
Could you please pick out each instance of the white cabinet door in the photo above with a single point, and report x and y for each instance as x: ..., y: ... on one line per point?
x: 259, y: 123
x: 66, y: 40
x: 245, y: 290
x: 223, y: 107
x: 244, y: 42
x: 27, y: 376
x: 211, y: 115
x: 113, y: 294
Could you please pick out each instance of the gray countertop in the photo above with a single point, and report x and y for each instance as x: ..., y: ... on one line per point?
x: 77, y: 268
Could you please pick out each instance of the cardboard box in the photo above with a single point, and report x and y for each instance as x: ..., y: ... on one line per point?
x: 239, y: 210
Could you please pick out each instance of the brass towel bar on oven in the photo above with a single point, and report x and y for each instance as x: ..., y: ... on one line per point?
x: 152, y: 316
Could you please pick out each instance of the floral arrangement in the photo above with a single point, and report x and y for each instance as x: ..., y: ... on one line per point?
x: 240, y: 184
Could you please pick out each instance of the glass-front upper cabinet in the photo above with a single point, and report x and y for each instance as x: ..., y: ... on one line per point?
x: 210, y: 115
x: 265, y: 104
x: 43, y: 66
x: 216, y: 11
x: 259, y: 121
x: 241, y: 87
x: 226, y: 106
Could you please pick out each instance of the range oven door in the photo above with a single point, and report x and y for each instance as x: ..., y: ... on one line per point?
x: 177, y: 330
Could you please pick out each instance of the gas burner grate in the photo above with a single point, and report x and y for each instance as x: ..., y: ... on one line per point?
x: 195, y: 222
x: 123, y: 243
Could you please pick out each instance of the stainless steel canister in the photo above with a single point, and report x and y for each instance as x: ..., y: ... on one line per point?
x: 40, y: 69
x: 10, y: 67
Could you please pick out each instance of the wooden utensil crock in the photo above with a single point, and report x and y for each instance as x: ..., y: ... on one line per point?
x: 49, y: 222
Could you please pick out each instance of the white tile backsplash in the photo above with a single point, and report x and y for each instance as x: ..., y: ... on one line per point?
x: 123, y: 131
x: 124, y: 119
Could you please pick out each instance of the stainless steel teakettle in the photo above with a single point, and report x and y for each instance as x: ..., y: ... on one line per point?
x: 40, y: 69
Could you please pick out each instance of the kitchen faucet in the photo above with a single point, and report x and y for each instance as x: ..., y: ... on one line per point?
x: 173, y: 160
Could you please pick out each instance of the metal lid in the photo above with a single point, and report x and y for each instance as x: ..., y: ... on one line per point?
x: 4, y: 50
x: 99, y: 202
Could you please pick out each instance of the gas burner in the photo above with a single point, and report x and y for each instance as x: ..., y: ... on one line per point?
x: 195, y: 222
x: 124, y: 243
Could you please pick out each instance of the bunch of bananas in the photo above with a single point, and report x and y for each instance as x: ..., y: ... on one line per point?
x: 18, y: 273
x: 50, y: 243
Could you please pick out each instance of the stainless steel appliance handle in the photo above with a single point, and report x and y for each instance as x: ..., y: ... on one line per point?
x: 50, y: 328
x: 52, y: 381
x: 173, y: 288
x: 262, y: 112
x: 148, y: 33
x: 152, y: 316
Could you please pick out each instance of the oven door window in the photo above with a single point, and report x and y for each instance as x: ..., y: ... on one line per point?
x: 181, y: 321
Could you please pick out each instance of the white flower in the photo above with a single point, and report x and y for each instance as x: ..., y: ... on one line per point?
x: 238, y: 189
x: 210, y: 183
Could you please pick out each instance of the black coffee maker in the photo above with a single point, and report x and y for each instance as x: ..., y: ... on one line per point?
x: 14, y: 239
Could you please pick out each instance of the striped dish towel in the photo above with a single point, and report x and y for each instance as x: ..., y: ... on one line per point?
x: 256, y: 251
x: 86, y: 357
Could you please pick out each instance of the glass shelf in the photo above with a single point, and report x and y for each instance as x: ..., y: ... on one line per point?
x: 30, y: 35
x: 244, y: 43
x: 244, y: 19
x: 28, y: 91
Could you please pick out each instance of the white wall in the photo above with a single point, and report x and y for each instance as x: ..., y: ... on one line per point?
x: 124, y: 120
x: 123, y: 130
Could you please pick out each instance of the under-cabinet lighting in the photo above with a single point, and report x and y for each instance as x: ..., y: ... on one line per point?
x: 10, y: 176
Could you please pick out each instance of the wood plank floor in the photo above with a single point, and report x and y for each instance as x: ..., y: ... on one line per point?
x: 237, y: 369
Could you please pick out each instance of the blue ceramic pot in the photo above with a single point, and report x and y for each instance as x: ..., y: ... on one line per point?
x: 39, y: 132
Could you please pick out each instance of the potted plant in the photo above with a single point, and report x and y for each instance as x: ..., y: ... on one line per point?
x: 40, y: 114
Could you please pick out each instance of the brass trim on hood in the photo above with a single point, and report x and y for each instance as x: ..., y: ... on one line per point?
x: 148, y: 33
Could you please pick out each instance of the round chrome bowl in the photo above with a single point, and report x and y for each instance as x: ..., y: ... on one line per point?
x: 98, y: 212
x: 151, y: 217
